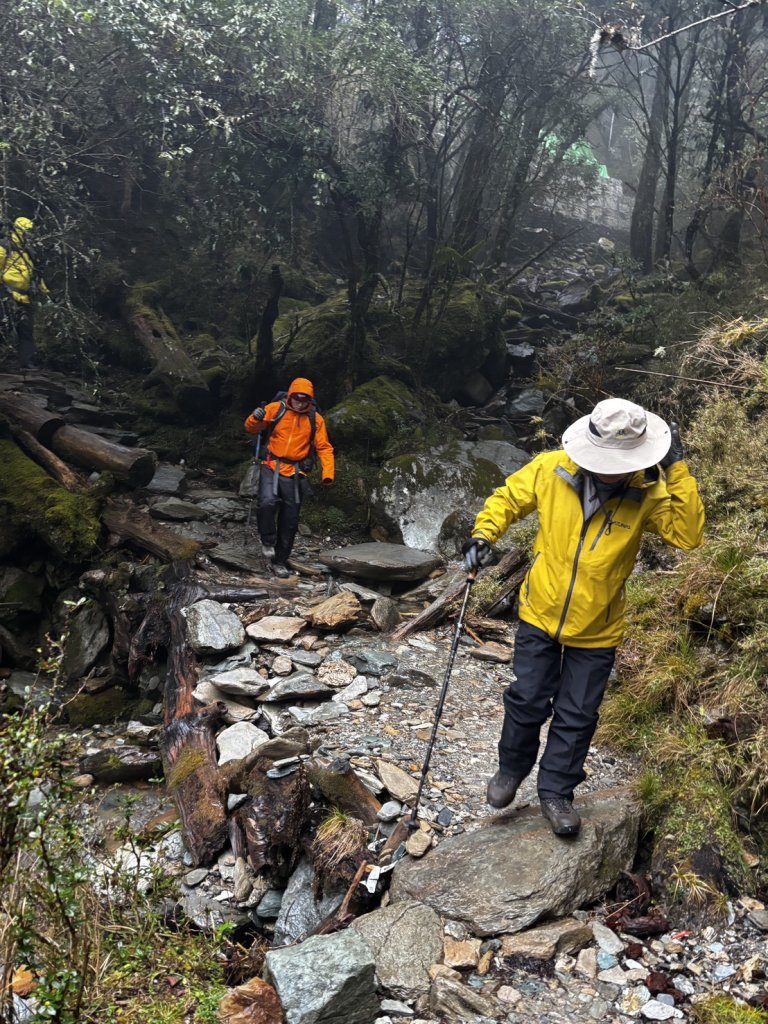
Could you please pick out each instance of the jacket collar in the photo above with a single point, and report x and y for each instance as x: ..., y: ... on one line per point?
x: 574, y: 476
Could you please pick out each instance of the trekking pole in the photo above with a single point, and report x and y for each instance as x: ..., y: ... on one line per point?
x: 253, y: 494
x: 413, y: 824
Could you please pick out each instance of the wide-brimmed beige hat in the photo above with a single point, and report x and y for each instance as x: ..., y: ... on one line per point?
x: 617, y: 437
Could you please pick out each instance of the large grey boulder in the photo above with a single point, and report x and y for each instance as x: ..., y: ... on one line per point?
x: 381, y: 561
x: 429, y: 501
x: 405, y: 939
x: 513, y: 871
x: 328, y: 979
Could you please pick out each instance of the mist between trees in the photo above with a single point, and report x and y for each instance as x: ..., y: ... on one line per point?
x: 201, y: 140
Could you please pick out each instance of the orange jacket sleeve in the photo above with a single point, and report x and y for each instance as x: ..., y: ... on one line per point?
x: 324, y: 449
x: 254, y: 426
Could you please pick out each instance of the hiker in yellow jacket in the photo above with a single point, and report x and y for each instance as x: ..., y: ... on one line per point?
x: 621, y: 473
x: 20, y: 287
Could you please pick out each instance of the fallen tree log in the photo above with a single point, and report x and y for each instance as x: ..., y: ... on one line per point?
x: 44, y: 457
x: 171, y: 364
x: 39, y: 422
x: 188, y: 741
x: 512, y: 567
x: 130, y: 523
x: 133, y: 466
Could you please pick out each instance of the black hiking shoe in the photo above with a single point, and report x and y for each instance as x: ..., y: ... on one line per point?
x: 281, y: 571
x: 561, y: 816
x: 501, y: 789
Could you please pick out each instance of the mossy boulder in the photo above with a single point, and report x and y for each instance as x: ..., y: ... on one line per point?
x: 343, y: 508
x: 32, y: 505
x: 110, y: 705
x: 372, y: 414
x: 313, y: 344
x: 465, y: 335
x: 20, y: 593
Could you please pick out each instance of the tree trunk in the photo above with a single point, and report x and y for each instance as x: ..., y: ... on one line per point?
x: 265, y: 337
x: 188, y: 744
x: 53, y: 465
x: 171, y: 365
x: 512, y: 567
x: 641, y: 225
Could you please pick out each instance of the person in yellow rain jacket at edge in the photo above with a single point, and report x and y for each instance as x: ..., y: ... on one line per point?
x: 296, y: 432
x: 20, y: 285
x: 621, y: 472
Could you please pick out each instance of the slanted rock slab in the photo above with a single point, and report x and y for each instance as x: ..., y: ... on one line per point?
x: 240, y: 682
x: 381, y: 561
x: 336, y: 612
x: 405, y: 940
x: 513, y: 871
x: 211, y: 628
x: 566, y: 936
x: 276, y: 627
x: 326, y: 978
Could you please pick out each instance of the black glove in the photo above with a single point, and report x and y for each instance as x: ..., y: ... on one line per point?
x: 477, y: 552
x: 258, y: 413
x: 676, y: 451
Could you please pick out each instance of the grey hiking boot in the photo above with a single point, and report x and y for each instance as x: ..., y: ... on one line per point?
x: 501, y: 789
x: 561, y: 816
x: 281, y: 571
x: 268, y: 551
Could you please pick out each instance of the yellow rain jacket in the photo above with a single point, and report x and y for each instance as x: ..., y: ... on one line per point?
x: 574, y: 589
x: 16, y: 266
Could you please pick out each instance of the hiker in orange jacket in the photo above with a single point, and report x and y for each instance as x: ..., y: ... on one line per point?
x: 296, y: 434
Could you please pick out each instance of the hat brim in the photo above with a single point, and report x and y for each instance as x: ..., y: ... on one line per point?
x: 590, y: 456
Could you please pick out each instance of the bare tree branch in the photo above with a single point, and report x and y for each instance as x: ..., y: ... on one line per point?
x: 702, y: 21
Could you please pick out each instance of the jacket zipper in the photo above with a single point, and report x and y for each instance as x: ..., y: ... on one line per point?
x: 572, y: 584
x: 582, y: 537
x: 528, y: 577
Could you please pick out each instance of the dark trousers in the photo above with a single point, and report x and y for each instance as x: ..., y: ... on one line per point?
x: 17, y: 323
x: 278, y: 515
x: 567, y: 683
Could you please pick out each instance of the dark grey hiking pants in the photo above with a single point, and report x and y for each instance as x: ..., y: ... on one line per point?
x: 567, y: 683
x: 278, y: 515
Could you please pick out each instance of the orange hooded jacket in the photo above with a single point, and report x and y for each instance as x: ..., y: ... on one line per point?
x: 290, y: 438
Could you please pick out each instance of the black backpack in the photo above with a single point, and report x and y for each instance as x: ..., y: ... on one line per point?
x: 307, y: 464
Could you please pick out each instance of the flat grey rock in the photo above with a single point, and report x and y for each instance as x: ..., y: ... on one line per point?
x: 374, y: 561
x: 473, y: 878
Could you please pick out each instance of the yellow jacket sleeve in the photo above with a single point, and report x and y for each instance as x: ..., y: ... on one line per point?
x: 514, y: 500
x: 679, y: 518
